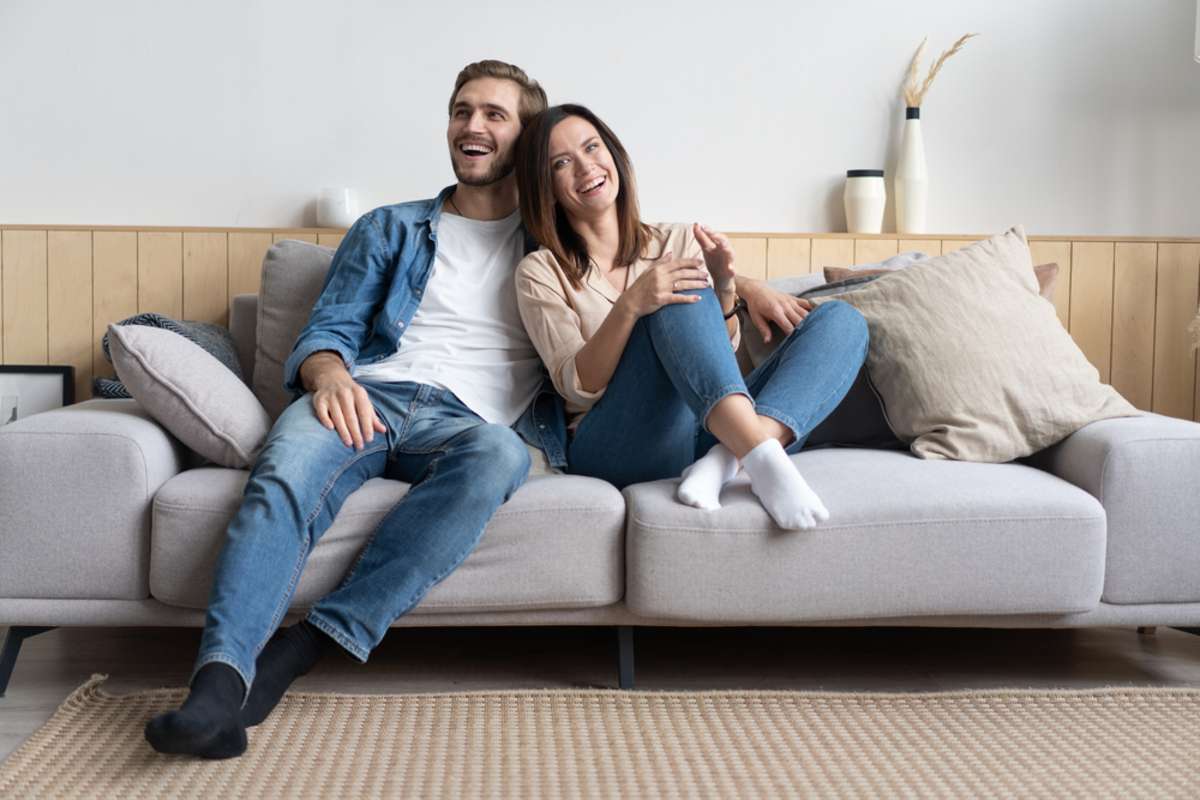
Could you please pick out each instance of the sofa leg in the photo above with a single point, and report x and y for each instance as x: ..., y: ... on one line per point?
x: 12, y: 646
x: 1193, y: 631
x: 625, y: 656
x: 1147, y: 630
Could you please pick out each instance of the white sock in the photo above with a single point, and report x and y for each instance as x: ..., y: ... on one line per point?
x: 703, y: 480
x: 784, y: 493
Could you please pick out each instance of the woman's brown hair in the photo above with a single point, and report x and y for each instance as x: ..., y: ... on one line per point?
x: 545, y: 219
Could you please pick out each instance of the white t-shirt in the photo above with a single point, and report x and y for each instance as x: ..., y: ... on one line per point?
x: 466, y: 335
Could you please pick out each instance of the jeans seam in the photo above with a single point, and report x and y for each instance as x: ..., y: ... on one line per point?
x: 315, y: 618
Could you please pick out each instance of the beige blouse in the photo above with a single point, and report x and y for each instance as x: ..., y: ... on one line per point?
x: 560, y: 318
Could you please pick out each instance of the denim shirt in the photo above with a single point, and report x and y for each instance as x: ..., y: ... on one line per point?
x: 371, y: 293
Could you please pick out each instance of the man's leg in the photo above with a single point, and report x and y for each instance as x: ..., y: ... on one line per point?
x: 461, y: 469
x: 296, y: 488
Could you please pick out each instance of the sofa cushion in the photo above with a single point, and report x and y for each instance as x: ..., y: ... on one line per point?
x: 971, y: 363
x: 905, y: 537
x: 557, y: 543
x: 292, y: 276
x: 190, y: 393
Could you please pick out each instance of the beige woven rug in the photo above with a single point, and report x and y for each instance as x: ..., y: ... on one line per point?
x: 998, y: 743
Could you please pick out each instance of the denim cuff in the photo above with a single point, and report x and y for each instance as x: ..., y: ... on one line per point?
x: 222, y: 658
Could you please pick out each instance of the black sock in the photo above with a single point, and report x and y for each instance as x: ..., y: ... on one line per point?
x: 292, y: 652
x: 208, y: 723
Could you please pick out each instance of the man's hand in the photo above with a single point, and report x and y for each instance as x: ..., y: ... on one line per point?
x: 766, y: 305
x: 340, y: 403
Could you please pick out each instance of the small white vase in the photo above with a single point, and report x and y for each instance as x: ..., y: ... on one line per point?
x: 912, y: 179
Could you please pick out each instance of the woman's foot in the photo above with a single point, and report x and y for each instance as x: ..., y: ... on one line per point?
x: 784, y: 493
x: 703, y: 480
x: 208, y: 724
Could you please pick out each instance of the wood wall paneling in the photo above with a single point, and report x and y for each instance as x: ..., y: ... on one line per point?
x: 246, y: 252
x: 69, y: 321
x: 870, y: 251
x: 279, y: 236
x: 1092, y: 303
x: 25, y: 297
x: 1057, y: 253
x: 750, y: 256
x: 206, y: 277
x: 160, y: 273
x: 330, y: 239
x: 832, y: 253
x: 1134, y: 296
x: 114, y: 287
x: 1174, y: 359
x: 930, y: 247
x: 788, y: 256
x: 950, y: 245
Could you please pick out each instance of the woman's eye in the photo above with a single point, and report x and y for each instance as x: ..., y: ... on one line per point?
x: 562, y: 162
x: 592, y: 146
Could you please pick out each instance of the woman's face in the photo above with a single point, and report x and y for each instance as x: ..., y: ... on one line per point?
x: 584, y: 177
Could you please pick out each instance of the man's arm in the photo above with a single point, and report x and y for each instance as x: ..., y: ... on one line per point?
x: 355, y: 287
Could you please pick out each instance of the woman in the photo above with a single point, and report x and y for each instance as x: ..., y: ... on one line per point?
x: 637, y: 326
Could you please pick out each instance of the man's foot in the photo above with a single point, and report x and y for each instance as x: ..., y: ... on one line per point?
x: 208, y: 723
x: 784, y: 493
x: 292, y: 652
x: 703, y: 480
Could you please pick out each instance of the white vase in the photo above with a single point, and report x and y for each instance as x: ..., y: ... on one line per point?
x: 912, y: 180
x: 864, y: 199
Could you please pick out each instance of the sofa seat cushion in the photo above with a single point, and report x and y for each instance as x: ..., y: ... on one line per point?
x: 906, y: 537
x: 557, y: 543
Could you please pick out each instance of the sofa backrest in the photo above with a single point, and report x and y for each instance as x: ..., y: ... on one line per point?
x: 243, y: 325
x: 292, y: 276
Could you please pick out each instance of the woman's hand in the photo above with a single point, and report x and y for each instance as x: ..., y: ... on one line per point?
x: 766, y: 305
x: 718, y: 256
x: 658, y: 285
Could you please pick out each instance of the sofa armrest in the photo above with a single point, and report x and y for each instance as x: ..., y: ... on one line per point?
x: 76, y: 488
x: 1145, y: 471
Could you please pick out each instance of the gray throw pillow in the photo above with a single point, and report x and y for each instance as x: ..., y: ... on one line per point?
x: 190, y: 393
x: 293, y: 274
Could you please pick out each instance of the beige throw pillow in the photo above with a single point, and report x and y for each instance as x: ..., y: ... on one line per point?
x: 190, y: 393
x: 971, y: 363
x: 1046, y: 274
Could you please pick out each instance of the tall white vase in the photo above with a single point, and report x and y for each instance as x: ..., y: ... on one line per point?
x: 912, y: 180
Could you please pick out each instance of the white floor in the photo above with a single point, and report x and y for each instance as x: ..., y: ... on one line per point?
x: 421, y: 660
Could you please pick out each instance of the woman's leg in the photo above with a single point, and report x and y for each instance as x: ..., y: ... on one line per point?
x: 795, y: 389
x: 676, y: 366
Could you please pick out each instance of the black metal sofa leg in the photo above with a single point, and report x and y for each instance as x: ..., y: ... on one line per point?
x: 17, y: 634
x: 1193, y: 631
x: 625, y: 656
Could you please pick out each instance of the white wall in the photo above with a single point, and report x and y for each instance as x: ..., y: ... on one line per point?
x: 1070, y: 116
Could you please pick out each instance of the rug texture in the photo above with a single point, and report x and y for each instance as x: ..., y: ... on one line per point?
x: 1118, y: 742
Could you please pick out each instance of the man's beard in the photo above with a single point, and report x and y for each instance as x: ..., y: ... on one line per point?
x: 499, y: 171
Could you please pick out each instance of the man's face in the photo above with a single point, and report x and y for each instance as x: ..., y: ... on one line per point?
x: 483, y: 130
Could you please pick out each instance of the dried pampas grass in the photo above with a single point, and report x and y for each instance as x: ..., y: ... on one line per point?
x: 914, y: 95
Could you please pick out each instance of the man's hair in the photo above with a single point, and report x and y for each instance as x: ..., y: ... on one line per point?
x: 545, y: 219
x: 533, y: 97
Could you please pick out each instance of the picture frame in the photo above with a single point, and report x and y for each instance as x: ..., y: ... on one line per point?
x: 33, y: 388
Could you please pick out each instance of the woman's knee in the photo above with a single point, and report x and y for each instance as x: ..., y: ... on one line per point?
x: 851, y: 325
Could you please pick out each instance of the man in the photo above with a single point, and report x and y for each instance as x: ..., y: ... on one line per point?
x: 415, y: 365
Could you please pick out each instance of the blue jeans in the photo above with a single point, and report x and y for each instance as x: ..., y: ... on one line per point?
x: 461, y: 470
x: 678, y: 364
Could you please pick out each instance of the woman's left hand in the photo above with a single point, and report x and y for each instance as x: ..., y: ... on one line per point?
x: 718, y: 256
x: 766, y: 305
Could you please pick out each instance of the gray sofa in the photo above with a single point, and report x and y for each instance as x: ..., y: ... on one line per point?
x: 105, y: 519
